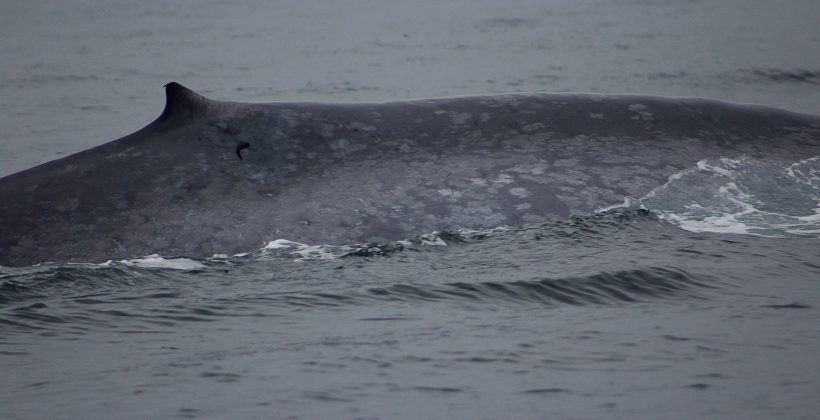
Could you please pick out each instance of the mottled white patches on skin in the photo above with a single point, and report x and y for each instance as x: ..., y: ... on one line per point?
x: 344, y: 146
x: 643, y: 114
x: 565, y: 163
x: 339, y: 144
x: 533, y: 127
x: 596, y: 116
x: 523, y: 206
x: 362, y: 126
x: 511, y: 100
x: 459, y: 118
x: 475, y: 207
x: 531, y: 168
x: 485, y: 116
x: 440, y: 112
x: 70, y: 204
x: 520, y: 192
x: 290, y: 117
x: 446, y: 192
x: 503, y: 179
x: 326, y: 130
x: 481, y: 182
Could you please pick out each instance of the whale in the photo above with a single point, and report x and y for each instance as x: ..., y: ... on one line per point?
x: 218, y: 177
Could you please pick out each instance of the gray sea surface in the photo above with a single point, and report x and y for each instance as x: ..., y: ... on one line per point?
x: 687, y: 303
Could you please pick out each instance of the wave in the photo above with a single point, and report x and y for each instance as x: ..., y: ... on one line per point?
x: 55, y: 279
x: 42, y: 281
x: 603, y: 288
x: 742, y: 195
x: 775, y: 75
x: 577, y: 261
x: 591, y: 226
x: 61, y: 279
x: 164, y: 307
x: 597, y: 289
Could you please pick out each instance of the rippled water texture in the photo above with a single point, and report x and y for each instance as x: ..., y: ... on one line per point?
x: 699, y: 300
x: 616, y: 314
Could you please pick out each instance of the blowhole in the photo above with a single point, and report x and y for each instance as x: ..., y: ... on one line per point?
x: 240, y: 147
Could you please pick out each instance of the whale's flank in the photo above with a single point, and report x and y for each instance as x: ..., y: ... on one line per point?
x: 368, y: 172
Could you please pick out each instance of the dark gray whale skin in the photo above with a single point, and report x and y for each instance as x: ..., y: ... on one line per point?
x: 326, y: 173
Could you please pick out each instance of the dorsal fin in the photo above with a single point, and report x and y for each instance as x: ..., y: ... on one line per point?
x: 184, y: 103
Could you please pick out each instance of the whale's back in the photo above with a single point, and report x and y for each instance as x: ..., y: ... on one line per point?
x: 213, y: 177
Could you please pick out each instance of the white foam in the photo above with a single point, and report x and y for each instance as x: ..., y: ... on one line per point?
x: 804, y: 173
x: 322, y: 252
x: 669, y: 180
x: 483, y: 232
x: 724, y: 223
x: 428, y: 239
x: 156, y: 261
x: 434, y: 238
x: 742, y: 195
x: 704, y: 165
x: 283, y: 243
x: 627, y: 203
x: 304, y: 252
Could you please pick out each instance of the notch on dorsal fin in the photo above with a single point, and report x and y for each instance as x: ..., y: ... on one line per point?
x: 183, y: 103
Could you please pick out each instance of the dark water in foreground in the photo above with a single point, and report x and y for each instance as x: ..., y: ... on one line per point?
x: 621, y: 313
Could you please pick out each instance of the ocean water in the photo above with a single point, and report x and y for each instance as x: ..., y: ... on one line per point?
x: 698, y: 300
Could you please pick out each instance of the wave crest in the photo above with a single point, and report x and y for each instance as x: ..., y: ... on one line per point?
x: 743, y: 195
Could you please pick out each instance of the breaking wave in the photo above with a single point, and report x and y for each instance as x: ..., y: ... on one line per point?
x: 742, y: 195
